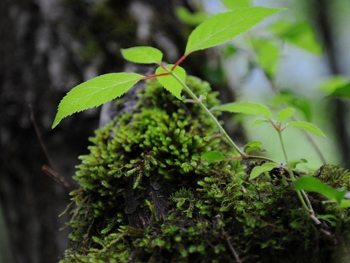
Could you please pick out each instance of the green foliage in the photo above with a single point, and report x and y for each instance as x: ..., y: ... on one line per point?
x: 95, y: 92
x: 268, y: 55
x: 299, y: 34
x: 258, y: 170
x: 307, y: 127
x: 160, y: 185
x: 338, y: 87
x: 246, y: 108
x: 225, y: 26
x: 309, y: 183
x: 143, y: 55
x: 169, y: 82
x: 237, y: 3
x: 285, y: 114
x: 193, y: 19
x: 213, y: 156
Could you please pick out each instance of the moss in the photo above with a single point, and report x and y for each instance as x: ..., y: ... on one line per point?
x: 146, y: 196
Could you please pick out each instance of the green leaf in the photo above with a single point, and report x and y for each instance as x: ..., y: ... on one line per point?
x: 299, y: 34
x: 345, y: 203
x: 303, y: 125
x: 229, y: 50
x: 246, y: 107
x: 342, y: 92
x: 334, y: 83
x: 259, y: 121
x: 169, y: 82
x: 312, y: 184
x: 287, y: 97
x: 257, y: 170
x: 253, y: 146
x: 285, y: 114
x: 192, y: 19
x: 143, y: 55
x: 233, y: 4
x: 268, y: 56
x: 294, y: 163
x: 95, y: 92
x: 213, y: 156
x: 223, y: 27
x: 337, y: 86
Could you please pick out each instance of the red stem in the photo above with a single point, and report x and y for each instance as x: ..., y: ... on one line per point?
x: 179, y: 61
x: 155, y: 76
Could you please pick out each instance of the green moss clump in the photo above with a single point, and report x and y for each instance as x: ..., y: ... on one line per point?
x: 146, y: 195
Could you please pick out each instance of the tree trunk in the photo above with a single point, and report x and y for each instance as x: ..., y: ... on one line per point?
x: 47, y: 47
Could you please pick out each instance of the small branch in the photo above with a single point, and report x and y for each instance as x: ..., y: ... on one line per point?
x: 57, y: 178
x: 233, y: 251
x: 210, y: 115
x: 38, y: 134
x: 51, y: 172
x: 194, y: 101
x: 179, y: 61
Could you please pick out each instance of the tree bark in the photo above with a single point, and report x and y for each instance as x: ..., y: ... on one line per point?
x: 48, y: 47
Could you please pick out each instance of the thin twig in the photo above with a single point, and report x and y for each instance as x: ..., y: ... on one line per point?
x: 56, y: 177
x: 51, y: 172
x: 38, y: 134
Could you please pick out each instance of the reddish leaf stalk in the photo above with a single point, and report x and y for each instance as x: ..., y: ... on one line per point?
x: 179, y: 61
x: 155, y: 76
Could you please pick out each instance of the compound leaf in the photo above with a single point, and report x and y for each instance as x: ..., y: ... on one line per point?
x: 225, y: 26
x: 143, y: 55
x: 95, y: 92
x: 169, y: 82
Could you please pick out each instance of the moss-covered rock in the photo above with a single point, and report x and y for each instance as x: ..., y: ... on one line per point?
x: 146, y: 195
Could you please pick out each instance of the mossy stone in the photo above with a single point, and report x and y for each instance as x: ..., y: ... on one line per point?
x: 146, y: 195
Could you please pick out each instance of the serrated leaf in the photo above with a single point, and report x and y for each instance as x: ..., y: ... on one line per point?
x: 213, y: 156
x: 299, y: 34
x: 95, y: 92
x: 303, y: 125
x: 192, y: 19
x: 143, y: 55
x: 285, y: 114
x: 233, y: 4
x: 259, y: 121
x: 246, y: 108
x: 169, y: 82
x: 257, y: 170
x: 312, y: 184
x: 225, y: 26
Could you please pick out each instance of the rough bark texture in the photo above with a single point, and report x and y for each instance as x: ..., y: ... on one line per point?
x: 47, y: 47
